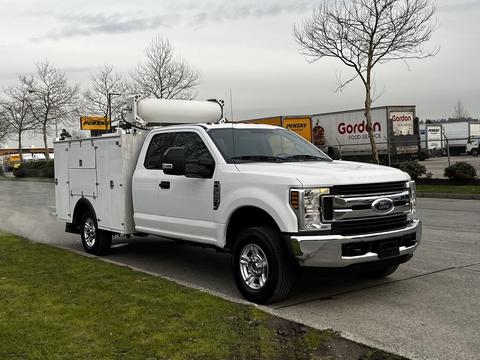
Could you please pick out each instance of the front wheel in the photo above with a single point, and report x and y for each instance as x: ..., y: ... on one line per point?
x: 474, y: 152
x: 262, y: 269
x: 94, y: 240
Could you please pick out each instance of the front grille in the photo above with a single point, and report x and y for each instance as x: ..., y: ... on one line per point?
x: 360, y: 189
x: 364, y: 247
x: 365, y: 226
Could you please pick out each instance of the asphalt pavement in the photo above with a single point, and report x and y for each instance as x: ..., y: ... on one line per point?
x: 436, y: 165
x: 428, y: 309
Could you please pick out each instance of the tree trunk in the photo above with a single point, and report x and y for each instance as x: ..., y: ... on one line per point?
x: 368, y: 117
x: 20, y: 146
x: 47, y: 154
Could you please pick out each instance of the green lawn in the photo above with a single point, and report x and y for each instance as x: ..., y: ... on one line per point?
x: 453, y: 189
x: 55, y: 304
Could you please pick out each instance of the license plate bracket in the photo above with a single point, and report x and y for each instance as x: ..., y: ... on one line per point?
x: 388, y: 249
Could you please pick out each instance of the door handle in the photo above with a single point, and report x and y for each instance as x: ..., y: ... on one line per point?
x: 165, y: 185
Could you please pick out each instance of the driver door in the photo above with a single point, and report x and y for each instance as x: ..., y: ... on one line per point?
x: 185, y: 204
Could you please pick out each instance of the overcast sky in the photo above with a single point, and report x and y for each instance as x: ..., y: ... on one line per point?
x: 243, y: 45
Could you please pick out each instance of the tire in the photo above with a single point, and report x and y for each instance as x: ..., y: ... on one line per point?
x: 381, y: 272
x: 94, y: 240
x: 259, y: 282
x: 474, y: 152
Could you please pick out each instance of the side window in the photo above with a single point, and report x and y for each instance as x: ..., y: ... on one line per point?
x: 158, y: 145
x: 195, y: 149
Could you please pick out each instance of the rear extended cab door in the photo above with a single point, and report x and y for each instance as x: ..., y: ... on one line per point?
x: 176, y: 206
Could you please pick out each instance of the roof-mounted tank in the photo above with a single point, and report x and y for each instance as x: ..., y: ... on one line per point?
x: 144, y: 112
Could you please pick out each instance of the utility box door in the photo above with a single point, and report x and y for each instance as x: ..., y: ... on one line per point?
x: 82, y: 155
x: 62, y: 187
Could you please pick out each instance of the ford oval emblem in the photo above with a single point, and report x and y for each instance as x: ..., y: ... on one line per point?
x: 383, y: 205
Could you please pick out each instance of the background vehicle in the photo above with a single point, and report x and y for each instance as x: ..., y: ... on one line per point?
x: 473, y: 147
x: 460, y: 136
x: 261, y: 192
x: 395, y: 128
x: 12, y: 162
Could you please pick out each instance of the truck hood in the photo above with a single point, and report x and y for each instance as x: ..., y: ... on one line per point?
x: 319, y: 173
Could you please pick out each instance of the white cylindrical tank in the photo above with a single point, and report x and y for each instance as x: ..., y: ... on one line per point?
x: 163, y: 111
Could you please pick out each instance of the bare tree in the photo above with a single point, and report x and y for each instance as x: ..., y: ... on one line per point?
x: 53, y: 99
x: 364, y: 33
x: 104, y: 82
x: 163, y: 74
x: 459, y: 111
x: 4, y: 126
x: 15, y: 112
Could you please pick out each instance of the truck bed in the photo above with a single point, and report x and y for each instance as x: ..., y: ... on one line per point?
x: 98, y: 169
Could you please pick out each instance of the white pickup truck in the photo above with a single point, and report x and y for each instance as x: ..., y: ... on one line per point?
x: 261, y: 192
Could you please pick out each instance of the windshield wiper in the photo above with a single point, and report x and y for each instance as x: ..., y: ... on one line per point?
x: 305, y: 157
x: 258, y: 158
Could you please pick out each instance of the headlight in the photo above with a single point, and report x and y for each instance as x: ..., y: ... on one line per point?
x: 306, y: 204
x: 412, y: 188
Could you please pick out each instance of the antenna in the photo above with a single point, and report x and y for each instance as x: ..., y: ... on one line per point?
x: 231, y: 105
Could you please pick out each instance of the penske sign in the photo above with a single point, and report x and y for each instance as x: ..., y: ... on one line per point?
x: 94, y: 123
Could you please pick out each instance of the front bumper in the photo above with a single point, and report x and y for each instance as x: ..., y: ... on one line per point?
x: 326, y: 250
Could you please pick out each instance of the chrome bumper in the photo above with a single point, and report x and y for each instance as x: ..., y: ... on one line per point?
x: 326, y: 250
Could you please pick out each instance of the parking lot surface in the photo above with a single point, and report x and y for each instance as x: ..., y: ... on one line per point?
x: 436, y: 165
x: 428, y: 309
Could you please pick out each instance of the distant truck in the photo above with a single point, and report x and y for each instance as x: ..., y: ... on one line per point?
x: 395, y: 128
x: 302, y: 125
x: 260, y: 192
x: 461, y: 137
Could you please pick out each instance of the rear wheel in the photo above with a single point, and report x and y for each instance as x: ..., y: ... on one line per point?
x: 94, y: 240
x: 475, y: 152
x: 262, y: 269
x: 380, y: 272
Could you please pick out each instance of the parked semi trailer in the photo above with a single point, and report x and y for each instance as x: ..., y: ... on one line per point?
x: 260, y: 192
x: 395, y: 130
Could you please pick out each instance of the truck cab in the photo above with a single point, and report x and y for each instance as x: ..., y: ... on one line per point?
x: 260, y: 192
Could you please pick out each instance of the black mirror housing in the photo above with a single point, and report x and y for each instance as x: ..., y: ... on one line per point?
x: 174, y: 161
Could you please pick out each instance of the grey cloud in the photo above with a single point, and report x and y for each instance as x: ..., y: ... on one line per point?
x: 460, y: 6
x: 94, y: 24
x: 197, y: 14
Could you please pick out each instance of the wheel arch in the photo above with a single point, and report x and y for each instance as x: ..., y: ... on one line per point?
x: 245, y: 217
x: 81, y: 207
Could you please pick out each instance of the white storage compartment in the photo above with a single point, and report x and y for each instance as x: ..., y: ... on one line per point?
x: 99, y: 170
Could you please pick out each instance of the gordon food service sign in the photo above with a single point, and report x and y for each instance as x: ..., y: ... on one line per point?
x: 402, y: 123
x: 94, y: 123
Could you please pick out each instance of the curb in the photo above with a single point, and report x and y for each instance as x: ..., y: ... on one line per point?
x: 448, y: 196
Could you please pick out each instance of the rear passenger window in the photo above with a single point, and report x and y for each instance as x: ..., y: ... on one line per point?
x: 159, y: 144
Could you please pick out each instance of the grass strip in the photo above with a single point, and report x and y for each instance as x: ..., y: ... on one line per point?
x: 59, y: 305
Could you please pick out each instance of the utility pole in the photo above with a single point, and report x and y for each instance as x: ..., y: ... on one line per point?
x: 109, y: 110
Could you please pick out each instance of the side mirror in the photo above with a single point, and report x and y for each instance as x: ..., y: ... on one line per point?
x: 334, y: 153
x: 174, y: 161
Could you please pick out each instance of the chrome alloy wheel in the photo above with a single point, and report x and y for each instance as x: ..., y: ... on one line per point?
x: 253, y: 266
x: 89, y: 232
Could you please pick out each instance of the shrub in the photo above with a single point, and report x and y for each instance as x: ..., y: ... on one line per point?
x: 413, y: 168
x: 40, y: 168
x: 19, y: 172
x: 461, y: 170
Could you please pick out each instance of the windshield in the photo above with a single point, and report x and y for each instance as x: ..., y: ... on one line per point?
x: 264, y: 145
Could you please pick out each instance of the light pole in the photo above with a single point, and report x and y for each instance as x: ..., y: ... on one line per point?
x: 109, y: 109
